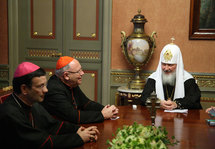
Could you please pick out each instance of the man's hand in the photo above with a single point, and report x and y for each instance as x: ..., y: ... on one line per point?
x: 109, y: 111
x: 208, y: 109
x: 88, y: 134
x: 168, y: 105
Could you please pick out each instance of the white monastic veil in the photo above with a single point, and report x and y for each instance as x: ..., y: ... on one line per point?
x: 181, y: 74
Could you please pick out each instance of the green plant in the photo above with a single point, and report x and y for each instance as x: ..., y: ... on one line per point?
x: 137, y: 136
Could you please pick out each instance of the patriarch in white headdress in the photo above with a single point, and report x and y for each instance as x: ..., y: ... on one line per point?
x: 171, y: 54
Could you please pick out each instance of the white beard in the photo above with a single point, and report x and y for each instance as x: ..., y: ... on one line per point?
x: 169, y: 78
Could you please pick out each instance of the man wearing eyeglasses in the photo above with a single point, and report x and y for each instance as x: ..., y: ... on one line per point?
x: 66, y: 101
x: 26, y: 124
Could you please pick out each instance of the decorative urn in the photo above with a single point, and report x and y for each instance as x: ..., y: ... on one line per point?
x: 138, y: 49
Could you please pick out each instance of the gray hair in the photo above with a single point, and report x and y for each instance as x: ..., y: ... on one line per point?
x: 60, y: 72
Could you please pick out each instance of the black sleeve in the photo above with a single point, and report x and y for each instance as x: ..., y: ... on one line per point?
x: 90, y: 111
x: 16, y: 131
x: 61, y: 134
x: 84, y: 103
x: 192, y: 96
x: 53, y: 126
x: 148, y: 89
x: 62, y: 141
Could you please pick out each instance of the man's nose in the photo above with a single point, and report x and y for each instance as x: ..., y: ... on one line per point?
x: 82, y: 73
x: 45, y: 89
x: 166, y: 67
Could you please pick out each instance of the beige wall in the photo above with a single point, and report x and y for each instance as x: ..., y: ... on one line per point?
x: 168, y: 18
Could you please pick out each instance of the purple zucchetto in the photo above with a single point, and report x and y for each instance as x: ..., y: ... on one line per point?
x: 25, y: 68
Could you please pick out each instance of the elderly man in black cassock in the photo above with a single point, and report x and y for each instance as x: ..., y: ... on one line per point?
x: 65, y: 100
x: 175, y: 87
x: 26, y: 124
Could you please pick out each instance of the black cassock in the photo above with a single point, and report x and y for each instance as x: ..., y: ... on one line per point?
x: 71, y: 104
x: 190, y: 101
x: 19, y: 130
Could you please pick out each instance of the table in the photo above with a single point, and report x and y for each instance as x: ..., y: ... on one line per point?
x: 190, y: 129
x: 128, y: 96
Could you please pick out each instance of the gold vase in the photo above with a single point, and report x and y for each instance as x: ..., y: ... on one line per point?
x: 138, y: 49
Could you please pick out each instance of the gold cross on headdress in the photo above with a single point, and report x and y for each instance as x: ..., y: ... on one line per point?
x: 172, y: 39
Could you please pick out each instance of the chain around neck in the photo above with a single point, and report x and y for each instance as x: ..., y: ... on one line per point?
x: 167, y: 93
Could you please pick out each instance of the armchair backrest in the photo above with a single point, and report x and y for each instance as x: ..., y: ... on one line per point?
x: 3, y: 98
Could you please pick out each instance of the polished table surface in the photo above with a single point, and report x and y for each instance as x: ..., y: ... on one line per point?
x: 190, y: 129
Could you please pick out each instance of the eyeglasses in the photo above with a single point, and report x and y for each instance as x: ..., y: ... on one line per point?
x: 79, y: 71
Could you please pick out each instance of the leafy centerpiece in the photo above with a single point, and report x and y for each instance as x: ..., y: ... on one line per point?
x: 137, y: 136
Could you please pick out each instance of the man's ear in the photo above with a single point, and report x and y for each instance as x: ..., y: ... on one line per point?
x: 23, y: 88
x: 66, y: 76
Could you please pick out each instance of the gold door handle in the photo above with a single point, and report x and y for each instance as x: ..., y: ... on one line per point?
x: 92, y: 75
x: 35, y: 33
x: 93, y: 35
x: 78, y: 34
x: 50, y: 33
